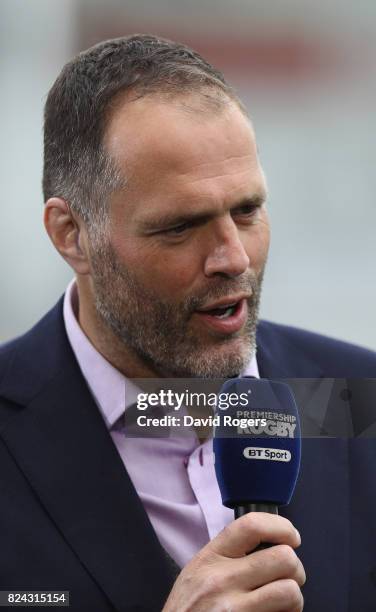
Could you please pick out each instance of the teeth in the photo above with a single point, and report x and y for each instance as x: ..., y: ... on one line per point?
x: 222, y: 312
x: 227, y: 313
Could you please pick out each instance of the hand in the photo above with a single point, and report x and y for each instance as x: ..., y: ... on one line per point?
x: 222, y: 577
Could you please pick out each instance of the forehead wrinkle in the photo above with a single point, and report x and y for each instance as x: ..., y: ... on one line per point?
x: 227, y: 168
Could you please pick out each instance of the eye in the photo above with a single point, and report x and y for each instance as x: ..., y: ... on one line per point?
x: 178, y: 230
x: 246, y: 211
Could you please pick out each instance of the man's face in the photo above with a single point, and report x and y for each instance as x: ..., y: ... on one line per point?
x: 178, y: 277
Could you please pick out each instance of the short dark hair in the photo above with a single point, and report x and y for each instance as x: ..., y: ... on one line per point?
x: 76, y: 167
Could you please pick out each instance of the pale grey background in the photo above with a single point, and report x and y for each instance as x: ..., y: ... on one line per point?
x: 314, y: 121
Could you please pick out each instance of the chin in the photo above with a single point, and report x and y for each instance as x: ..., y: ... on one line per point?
x: 221, y: 361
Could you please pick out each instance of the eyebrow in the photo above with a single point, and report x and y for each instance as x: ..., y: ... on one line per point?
x: 173, y: 219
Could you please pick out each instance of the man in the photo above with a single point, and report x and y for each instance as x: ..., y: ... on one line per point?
x: 156, y: 198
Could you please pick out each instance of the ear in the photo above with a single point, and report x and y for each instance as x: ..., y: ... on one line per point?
x: 68, y: 234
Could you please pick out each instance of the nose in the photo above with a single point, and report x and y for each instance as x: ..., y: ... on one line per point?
x: 227, y: 255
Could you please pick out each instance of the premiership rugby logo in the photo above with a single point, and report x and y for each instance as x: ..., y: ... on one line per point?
x: 268, y: 454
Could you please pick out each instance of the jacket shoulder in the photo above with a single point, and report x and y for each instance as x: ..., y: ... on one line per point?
x: 27, y: 361
x: 29, y: 338
x: 336, y: 358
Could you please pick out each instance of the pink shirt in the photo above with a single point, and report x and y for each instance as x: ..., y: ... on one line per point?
x: 174, y: 477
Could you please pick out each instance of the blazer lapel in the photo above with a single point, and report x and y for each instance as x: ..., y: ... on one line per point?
x: 278, y: 358
x: 62, y: 445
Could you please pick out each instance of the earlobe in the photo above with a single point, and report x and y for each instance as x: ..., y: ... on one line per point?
x: 65, y: 232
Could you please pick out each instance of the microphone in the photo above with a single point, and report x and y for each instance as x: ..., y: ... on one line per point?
x: 257, y: 445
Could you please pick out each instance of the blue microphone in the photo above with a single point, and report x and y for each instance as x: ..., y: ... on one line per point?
x: 257, y: 445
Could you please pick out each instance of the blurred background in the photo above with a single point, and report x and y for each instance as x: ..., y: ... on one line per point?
x: 306, y: 71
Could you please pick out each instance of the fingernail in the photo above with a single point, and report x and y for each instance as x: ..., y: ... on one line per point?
x: 298, y: 536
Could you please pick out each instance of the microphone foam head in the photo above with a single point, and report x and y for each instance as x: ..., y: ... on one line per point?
x: 257, y: 444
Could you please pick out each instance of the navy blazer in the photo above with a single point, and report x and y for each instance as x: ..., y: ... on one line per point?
x: 70, y: 518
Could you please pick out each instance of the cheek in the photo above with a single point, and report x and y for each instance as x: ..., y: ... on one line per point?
x: 167, y: 272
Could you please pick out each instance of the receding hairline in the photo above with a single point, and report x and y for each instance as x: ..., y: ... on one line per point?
x: 198, y: 101
x: 199, y: 106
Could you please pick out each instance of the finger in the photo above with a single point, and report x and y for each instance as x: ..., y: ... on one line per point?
x: 265, y: 566
x: 245, y: 533
x: 279, y: 596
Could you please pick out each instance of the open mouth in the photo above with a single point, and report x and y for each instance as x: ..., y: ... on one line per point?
x: 226, y: 318
x: 224, y: 312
